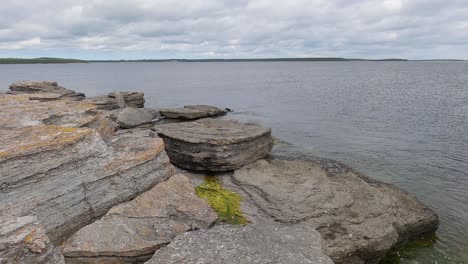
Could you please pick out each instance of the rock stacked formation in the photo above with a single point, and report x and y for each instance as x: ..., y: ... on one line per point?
x: 44, y: 87
x: 215, y: 145
x: 97, y: 186
x: 56, y: 166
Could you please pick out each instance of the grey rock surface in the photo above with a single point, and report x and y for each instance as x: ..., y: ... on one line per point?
x: 133, y: 231
x: 182, y: 113
x: 48, y: 87
x: 261, y: 243
x: 132, y: 99
x: 133, y: 117
x: 214, y: 145
x: 211, y: 111
x: 110, y: 102
x: 359, y: 219
x: 24, y: 241
x: 190, y: 112
x: 156, y: 114
x: 66, y: 174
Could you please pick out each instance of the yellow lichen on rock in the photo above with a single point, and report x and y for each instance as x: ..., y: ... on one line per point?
x: 225, y: 203
x: 28, y: 140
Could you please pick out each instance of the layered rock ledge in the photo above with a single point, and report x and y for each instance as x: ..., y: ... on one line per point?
x: 359, y: 219
x: 131, y: 232
x: 190, y: 112
x: 259, y: 243
x: 214, y: 145
x: 56, y: 165
x: 44, y: 87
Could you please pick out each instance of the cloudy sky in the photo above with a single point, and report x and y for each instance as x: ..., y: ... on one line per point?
x: 132, y: 29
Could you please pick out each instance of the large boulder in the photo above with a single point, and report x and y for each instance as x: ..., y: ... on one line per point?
x: 23, y: 240
x: 190, y: 112
x: 259, y: 243
x: 55, y: 165
x: 132, y: 117
x: 47, y: 87
x: 359, y: 219
x: 133, y: 231
x: 214, y: 145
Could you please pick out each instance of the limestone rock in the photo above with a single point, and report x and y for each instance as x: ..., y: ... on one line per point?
x: 359, y: 219
x: 190, y: 112
x: 214, y: 145
x: 64, y: 173
x: 48, y: 87
x: 259, y: 243
x: 132, y: 99
x: 103, y: 102
x: 24, y: 241
x: 182, y: 113
x: 109, y: 102
x: 133, y: 231
x: 133, y: 117
x: 210, y: 110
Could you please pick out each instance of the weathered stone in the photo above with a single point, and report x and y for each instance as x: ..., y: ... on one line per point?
x: 359, y: 219
x: 214, y: 145
x: 210, y: 110
x: 133, y: 117
x: 259, y: 243
x: 109, y: 102
x: 156, y: 114
x: 190, y: 112
x: 24, y: 241
x: 182, y: 113
x: 65, y: 174
x: 133, y: 231
x: 103, y: 102
x: 132, y: 99
x: 48, y: 87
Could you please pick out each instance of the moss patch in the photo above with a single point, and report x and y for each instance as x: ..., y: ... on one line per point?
x: 224, y: 202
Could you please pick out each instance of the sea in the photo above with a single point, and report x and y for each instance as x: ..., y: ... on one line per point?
x: 400, y: 122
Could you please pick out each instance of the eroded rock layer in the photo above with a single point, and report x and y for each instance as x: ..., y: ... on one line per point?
x: 133, y: 231
x: 214, y: 145
x: 23, y: 240
x: 58, y: 169
x: 260, y: 243
x: 44, y: 87
x: 359, y: 219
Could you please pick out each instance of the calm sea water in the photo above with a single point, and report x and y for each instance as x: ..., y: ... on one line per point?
x: 399, y: 122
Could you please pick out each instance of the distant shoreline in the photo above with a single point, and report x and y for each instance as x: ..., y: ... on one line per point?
x: 61, y: 60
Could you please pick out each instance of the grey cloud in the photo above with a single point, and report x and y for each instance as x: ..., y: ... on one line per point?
x: 239, y: 28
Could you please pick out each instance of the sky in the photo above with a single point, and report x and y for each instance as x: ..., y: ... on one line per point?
x: 163, y: 29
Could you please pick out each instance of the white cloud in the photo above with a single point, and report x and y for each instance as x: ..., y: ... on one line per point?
x: 237, y: 28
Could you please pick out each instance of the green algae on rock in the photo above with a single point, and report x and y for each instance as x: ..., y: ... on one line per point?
x: 225, y: 203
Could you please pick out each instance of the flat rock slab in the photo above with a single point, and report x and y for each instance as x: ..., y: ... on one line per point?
x: 259, y: 243
x: 49, y: 87
x: 133, y: 117
x: 190, y: 112
x: 215, y: 145
x: 359, y: 219
x: 133, y: 231
x: 23, y: 240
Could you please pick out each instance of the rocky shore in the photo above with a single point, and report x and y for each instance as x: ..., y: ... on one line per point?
x: 106, y: 180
